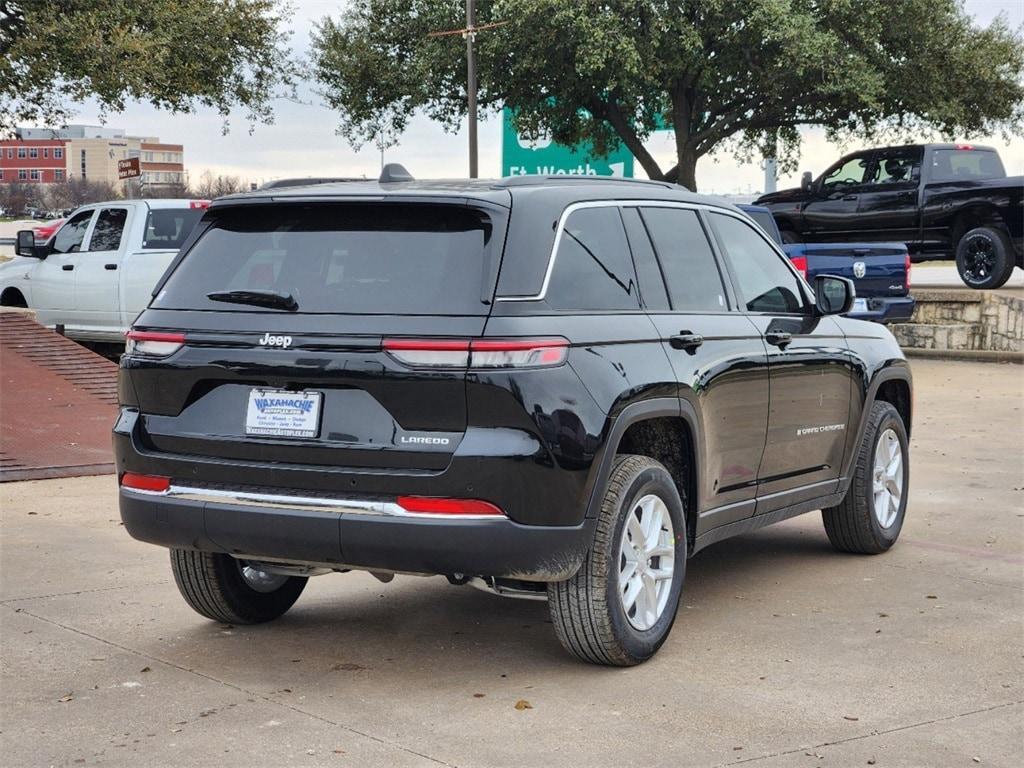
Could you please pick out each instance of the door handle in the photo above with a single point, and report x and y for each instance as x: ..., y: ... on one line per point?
x: 686, y: 340
x: 778, y: 338
x: 110, y: 266
x: 67, y: 267
x: 849, y: 197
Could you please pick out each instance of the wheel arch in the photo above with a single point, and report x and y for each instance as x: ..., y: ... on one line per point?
x: 665, y: 429
x: 976, y: 215
x: 892, y: 384
x: 12, y: 297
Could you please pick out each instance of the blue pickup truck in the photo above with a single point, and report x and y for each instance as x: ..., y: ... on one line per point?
x: 880, y: 271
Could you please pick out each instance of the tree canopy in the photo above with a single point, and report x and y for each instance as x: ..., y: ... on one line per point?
x: 175, y: 54
x: 746, y: 75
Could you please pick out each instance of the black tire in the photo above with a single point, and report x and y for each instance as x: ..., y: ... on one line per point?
x: 852, y: 526
x: 587, y: 613
x: 985, y: 258
x: 212, y: 583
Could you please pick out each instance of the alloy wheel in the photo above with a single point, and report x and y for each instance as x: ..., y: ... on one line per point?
x: 887, y: 478
x: 646, y: 562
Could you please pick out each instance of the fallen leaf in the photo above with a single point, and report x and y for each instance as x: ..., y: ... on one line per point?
x: 144, y: 669
x: 66, y: 697
x: 871, y: 761
x: 523, y: 704
x: 976, y: 759
x: 931, y: 597
x: 853, y: 719
x: 33, y: 513
x: 347, y: 666
x: 478, y: 695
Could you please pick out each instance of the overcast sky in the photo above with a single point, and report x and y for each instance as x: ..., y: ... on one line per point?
x: 302, y: 141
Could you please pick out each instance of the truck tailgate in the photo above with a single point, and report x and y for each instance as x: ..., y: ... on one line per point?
x: 877, y: 269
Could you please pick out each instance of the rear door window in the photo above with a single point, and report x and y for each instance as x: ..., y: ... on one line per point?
x: 687, y: 261
x: 167, y: 228
x: 355, y: 258
x: 109, y: 229
x: 593, y: 269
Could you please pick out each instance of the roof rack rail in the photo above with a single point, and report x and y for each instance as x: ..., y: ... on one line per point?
x: 532, y: 179
x: 393, y: 172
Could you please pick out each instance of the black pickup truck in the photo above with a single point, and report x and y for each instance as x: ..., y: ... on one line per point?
x: 942, y: 200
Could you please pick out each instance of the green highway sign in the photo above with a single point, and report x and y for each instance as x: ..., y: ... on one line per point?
x: 520, y: 157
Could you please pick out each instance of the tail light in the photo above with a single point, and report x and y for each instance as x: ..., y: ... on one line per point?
x: 199, y: 204
x: 432, y: 506
x: 800, y: 262
x: 906, y: 266
x: 478, y: 353
x: 153, y: 343
x: 149, y: 483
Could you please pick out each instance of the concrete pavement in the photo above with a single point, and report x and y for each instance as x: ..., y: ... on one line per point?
x: 784, y: 653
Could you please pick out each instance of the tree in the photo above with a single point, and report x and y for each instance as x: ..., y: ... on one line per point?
x: 76, y: 191
x: 175, y: 54
x: 211, y: 186
x: 746, y: 75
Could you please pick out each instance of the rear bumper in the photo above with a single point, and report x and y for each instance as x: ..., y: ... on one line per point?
x: 896, y: 309
x: 353, y: 533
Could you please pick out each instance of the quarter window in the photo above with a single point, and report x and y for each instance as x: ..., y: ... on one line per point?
x: 766, y: 283
x: 106, y: 235
x: 69, y: 237
x: 687, y: 261
x: 593, y: 269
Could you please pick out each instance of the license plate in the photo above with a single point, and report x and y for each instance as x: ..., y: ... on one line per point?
x: 277, y: 413
x: 860, y: 305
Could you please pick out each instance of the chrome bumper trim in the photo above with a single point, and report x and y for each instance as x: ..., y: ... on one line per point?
x: 327, y: 506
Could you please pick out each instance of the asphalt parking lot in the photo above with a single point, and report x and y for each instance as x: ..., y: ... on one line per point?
x: 784, y: 654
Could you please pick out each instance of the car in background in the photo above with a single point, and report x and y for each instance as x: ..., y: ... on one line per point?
x: 880, y: 271
x: 95, y: 274
x: 942, y: 200
x: 45, y: 231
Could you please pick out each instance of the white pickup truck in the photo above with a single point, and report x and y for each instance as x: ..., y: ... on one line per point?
x: 96, y: 273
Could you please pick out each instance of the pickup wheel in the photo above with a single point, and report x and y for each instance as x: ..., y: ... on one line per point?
x: 223, y: 588
x: 620, y: 606
x: 869, y: 519
x: 985, y: 258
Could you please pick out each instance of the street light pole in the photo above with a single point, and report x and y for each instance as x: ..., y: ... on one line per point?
x: 471, y: 85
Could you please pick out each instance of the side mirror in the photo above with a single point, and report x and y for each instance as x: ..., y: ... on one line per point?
x: 806, y: 181
x: 26, y: 245
x: 833, y: 295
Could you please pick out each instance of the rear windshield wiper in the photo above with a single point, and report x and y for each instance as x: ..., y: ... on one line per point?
x: 271, y: 299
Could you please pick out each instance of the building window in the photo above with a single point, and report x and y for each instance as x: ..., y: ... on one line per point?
x: 46, y: 152
x: 147, y: 157
x: 34, y: 174
x: 1, y: 174
x: 22, y: 175
x: 33, y: 153
x: 58, y: 175
x: 58, y: 153
x: 22, y: 154
x: 83, y: 163
x: 10, y: 153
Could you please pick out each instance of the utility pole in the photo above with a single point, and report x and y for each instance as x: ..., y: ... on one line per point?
x: 470, y: 34
x: 471, y: 85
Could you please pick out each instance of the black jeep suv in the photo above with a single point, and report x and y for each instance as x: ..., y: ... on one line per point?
x: 544, y: 387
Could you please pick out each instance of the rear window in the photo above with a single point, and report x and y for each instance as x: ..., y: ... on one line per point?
x: 966, y: 165
x: 354, y: 258
x: 167, y: 228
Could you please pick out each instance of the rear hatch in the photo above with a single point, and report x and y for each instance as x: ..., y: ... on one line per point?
x: 877, y: 269
x: 285, y: 311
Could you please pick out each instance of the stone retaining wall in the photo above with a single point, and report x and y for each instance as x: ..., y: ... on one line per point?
x: 962, y: 319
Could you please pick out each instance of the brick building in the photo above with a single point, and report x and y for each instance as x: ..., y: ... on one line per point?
x: 46, y: 156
